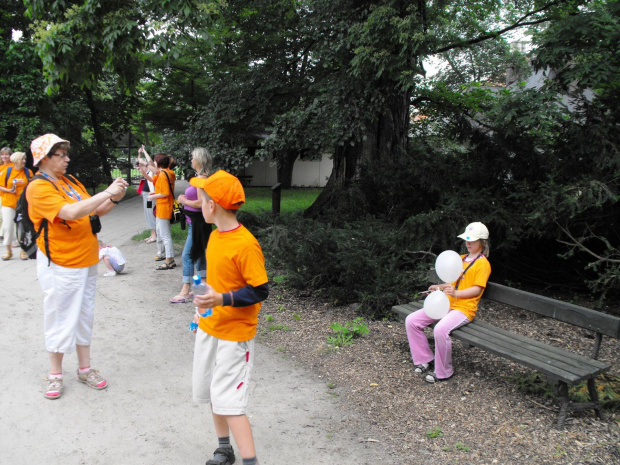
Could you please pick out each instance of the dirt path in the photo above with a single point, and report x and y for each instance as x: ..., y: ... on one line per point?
x: 143, y: 348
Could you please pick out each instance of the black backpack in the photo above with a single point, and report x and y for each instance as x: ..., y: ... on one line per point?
x: 26, y: 233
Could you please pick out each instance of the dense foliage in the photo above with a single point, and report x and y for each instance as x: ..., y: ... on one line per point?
x: 297, y: 79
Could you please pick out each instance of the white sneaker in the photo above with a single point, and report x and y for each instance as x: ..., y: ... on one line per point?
x: 109, y: 273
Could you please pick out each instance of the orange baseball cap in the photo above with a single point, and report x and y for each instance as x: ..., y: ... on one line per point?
x: 41, y: 146
x: 224, y: 188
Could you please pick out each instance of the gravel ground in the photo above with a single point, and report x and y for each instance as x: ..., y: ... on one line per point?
x: 478, y: 417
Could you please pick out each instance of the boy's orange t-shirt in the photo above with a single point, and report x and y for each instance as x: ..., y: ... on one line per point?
x: 164, y: 205
x: 72, y: 243
x: 234, y: 260
x: 10, y: 199
x: 477, y: 275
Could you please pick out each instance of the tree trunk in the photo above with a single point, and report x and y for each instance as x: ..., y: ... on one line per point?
x: 285, y: 169
x: 145, y: 132
x: 385, y: 142
x: 102, y: 151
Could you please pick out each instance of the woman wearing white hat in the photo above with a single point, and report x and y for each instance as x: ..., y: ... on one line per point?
x: 68, y: 217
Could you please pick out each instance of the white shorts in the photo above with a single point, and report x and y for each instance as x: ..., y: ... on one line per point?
x: 221, y: 373
x: 68, y: 304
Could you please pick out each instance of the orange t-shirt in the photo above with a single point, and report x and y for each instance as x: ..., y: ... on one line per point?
x: 164, y: 205
x: 72, y: 243
x: 477, y: 275
x: 21, y: 180
x: 3, y: 169
x: 234, y: 260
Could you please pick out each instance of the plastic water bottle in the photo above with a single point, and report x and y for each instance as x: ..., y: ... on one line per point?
x: 199, y: 288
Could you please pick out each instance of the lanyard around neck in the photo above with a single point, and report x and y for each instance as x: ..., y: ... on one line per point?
x: 73, y: 194
x: 458, y: 281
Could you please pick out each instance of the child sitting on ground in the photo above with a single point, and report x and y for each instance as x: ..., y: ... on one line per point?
x: 113, y: 259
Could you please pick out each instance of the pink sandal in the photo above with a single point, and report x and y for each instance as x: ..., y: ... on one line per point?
x: 54, y: 389
x: 179, y: 299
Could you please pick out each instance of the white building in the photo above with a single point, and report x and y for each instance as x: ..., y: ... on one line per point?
x: 305, y: 173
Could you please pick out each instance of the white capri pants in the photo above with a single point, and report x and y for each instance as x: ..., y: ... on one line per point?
x: 68, y: 304
x: 8, y: 225
x: 164, y: 238
x: 148, y: 212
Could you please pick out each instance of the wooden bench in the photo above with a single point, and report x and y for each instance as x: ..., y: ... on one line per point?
x: 245, y: 179
x: 558, y: 366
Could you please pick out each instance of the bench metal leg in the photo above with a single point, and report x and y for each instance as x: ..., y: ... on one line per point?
x: 567, y: 406
x: 564, y: 404
x: 594, y: 398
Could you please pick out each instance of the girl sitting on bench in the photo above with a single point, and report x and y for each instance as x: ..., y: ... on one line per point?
x: 464, y: 295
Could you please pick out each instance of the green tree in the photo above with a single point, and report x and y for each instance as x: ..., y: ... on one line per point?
x: 88, y: 44
x: 21, y: 80
x: 488, y: 63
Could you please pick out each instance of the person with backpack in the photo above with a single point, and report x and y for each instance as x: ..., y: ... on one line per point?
x: 66, y: 218
x: 5, y: 155
x: 164, y: 198
x: 13, y: 181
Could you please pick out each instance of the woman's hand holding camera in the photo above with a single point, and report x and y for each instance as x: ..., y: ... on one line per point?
x: 117, y: 189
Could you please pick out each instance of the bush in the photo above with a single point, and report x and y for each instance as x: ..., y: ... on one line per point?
x: 363, y: 261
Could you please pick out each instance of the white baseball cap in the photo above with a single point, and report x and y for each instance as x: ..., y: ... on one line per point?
x: 475, y: 231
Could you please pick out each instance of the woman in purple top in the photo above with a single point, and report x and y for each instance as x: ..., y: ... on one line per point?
x: 198, y: 232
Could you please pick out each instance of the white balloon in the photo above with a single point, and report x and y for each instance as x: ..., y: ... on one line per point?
x: 436, y: 305
x: 448, y: 266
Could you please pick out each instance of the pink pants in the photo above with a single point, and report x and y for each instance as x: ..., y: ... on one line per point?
x: 418, y: 343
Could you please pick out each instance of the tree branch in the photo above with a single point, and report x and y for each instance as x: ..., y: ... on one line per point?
x: 578, y: 243
x: 491, y: 35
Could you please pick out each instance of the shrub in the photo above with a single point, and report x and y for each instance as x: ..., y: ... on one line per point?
x: 363, y: 261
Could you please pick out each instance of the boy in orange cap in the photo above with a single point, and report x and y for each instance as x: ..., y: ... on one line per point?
x: 236, y: 286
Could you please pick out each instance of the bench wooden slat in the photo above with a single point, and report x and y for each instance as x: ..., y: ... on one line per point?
x: 563, y: 311
x: 567, y: 368
x: 404, y: 310
x: 545, y: 349
x: 497, y: 349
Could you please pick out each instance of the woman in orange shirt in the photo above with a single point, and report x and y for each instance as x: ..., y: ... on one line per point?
x: 5, y: 154
x: 67, y: 257
x: 13, y: 180
x: 164, y: 197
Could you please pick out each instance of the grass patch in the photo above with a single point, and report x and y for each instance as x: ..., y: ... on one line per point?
x: 434, y: 433
x: 607, y: 386
x: 345, y: 334
x: 258, y: 199
x: 278, y: 327
x: 178, y: 235
x: 131, y: 190
x: 462, y: 447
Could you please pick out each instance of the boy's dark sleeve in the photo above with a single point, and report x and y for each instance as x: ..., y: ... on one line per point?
x: 246, y: 296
